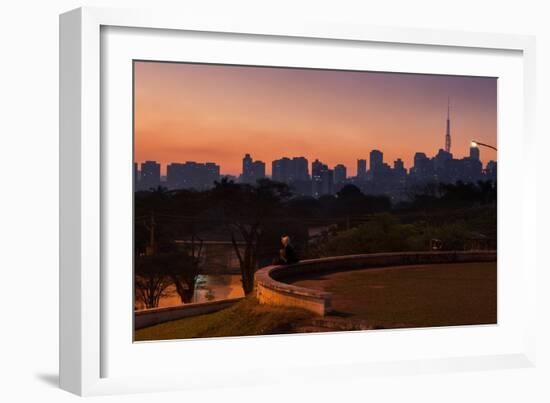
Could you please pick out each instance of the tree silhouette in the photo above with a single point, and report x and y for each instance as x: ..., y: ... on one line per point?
x: 150, y: 280
x: 245, y: 211
x: 182, y: 268
x: 156, y: 272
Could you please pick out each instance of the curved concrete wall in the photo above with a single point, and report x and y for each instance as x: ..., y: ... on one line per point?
x: 154, y: 316
x: 271, y: 289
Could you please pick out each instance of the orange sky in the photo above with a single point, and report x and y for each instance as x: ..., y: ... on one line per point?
x: 216, y: 113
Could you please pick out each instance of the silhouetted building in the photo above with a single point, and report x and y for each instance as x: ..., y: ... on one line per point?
x: 423, y: 169
x: 376, y: 160
x: 340, y: 174
x: 470, y: 167
x: 381, y: 178
x: 471, y: 170
x: 442, y: 166
x: 300, y: 169
x: 192, y: 175
x: 322, y: 179
x: 294, y: 172
x: 252, y: 170
x: 281, y: 170
x: 247, y: 167
x: 316, y: 169
x: 212, y: 173
x: 327, y: 182
x: 399, y: 169
x: 258, y: 170
x: 175, y: 176
x: 361, y: 169
x: 491, y: 171
x: 150, y: 175
x: 290, y: 170
x: 474, y: 153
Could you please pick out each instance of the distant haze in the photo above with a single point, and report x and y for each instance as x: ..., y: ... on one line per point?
x: 217, y: 113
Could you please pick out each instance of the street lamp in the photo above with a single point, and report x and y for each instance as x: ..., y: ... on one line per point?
x: 475, y: 143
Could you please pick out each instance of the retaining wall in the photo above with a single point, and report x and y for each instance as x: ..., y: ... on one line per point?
x: 271, y: 288
x: 154, y: 316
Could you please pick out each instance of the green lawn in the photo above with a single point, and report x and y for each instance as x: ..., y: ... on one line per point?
x: 397, y: 297
x: 414, y: 296
x: 246, y: 318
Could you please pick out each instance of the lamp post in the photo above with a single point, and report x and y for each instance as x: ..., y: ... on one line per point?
x: 475, y: 143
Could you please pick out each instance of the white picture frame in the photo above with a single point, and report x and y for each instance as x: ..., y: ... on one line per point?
x: 85, y: 160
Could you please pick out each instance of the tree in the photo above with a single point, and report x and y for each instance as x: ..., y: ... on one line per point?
x: 150, y: 280
x: 382, y: 233
x: 350, y: 201
x: 245, y: 211
x: 155, y: 273
x: 183, y: 269
x: 150, y: 233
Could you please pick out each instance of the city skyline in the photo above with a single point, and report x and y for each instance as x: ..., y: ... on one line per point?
x: 380, y: 178
x: 216, y: 113
x: 351, y: 170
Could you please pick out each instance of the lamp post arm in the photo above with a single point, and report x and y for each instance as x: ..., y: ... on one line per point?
x: 485, y: 145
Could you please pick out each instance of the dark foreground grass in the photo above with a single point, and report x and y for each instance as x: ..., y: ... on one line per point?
x: 245, y: 318
x: 414, y: 296
x: 396, y: 297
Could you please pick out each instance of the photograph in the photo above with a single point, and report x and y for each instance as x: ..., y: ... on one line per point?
x: 275, y: 200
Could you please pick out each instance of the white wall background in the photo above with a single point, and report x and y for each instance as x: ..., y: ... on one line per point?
x: 29, y: 200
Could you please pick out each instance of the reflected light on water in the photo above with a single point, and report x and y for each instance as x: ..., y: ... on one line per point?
x: 208, y: 288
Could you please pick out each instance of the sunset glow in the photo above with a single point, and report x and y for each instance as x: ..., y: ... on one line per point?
x: 217, y: 113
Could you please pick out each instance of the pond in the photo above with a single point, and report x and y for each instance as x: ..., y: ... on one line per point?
x: 210, y: 287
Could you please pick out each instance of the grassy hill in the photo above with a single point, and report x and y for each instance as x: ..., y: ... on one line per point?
x: 246, y: 318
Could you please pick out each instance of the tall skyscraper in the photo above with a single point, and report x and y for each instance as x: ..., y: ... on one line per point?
x: 340, y: 174
x: 376, y: 160
x: 327, y: 181
x: 423, y: 167
x: 443, y: 162
x: 175, y: 176
x: 290, y: 170
x: 419, y: 158
x: 252, y: 170
x: 316, y: 169
x: 281, y: 170
x: 150, y: 175
x: 247, y: 167
x: 398, y: 165
x: 258, y: 170
x: 448, y: 131
x: 211, y: 173
x: 361, y: 169
x: 474, y: 153
x: 322, y: 179
x: 300, y: 169
x: 491, y: 170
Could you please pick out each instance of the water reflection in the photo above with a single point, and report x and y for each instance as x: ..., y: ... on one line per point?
x: 211, y: 287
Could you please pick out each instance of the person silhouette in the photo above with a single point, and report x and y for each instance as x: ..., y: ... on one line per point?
x: 287, y: 254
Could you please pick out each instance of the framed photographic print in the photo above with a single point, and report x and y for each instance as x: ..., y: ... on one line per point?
x: 252, y: 189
